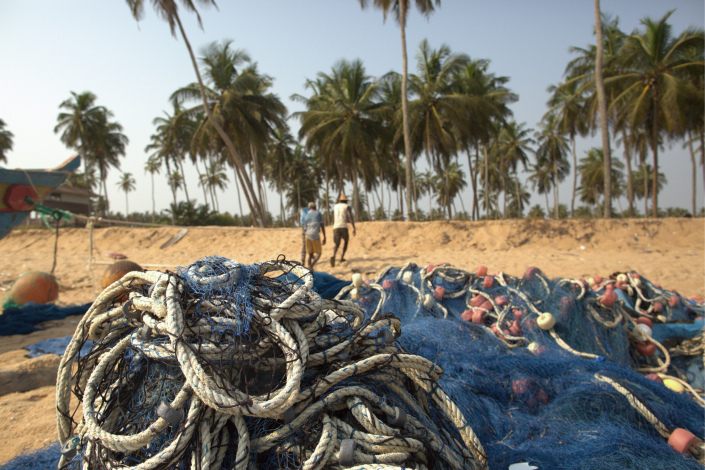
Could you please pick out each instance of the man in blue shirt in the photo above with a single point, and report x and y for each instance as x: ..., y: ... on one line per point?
x: 313, y: 223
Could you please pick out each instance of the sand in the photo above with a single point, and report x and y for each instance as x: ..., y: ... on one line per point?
x: 669, y: 252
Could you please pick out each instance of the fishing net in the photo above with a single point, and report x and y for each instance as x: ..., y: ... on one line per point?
x: 221, y: 365
x: 558, y: 373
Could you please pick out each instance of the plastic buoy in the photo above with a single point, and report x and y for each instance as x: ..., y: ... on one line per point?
x: 645, y: 321
x: 487, y: 305
x: 658, y: 307
x: 674, y: 385
x: 428, y: 302
x: 477, y: 301
x: 430, y: 268
x: 608, y: 298
x: 654, y: 377
x: 33, y: 286
x: 117, y: 270
x: 487, y: 282
x: 598, y: 280
x: 482, y: 271
x: 354, y: 294
x: 15, y: 194
x: 546, y: 321
x: 515, y: 328
x: 478, y: 316
x: 591, y: 281
x: 533, y: 347
x: 467, y: 315
x: 518, y: 314
x: 645, y: 328
x: 357, y: 279
x: 408, y: 277
x: 647, y: 349
x: 501, y: 300
x: 682, y: 440
x: 439, y: 293
x: 532, y: 273
x: 674, y: 301
x: 388, y: 284
x: 622, y: 277
x: 621, y: 285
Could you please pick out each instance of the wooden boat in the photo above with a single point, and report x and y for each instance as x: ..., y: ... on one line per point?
x: 16, y: 185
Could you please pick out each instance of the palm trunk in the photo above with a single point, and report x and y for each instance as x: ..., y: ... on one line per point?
x: 405, y: 110
x: 646, y: 189
x: 473, y: 174
x: 575, y: 175
x: 695, y: 167
x: 630, y: 184
x: 487, y: 183
x: 183, y: 173
x: 171, y: 186
x: 416, y: 197
x: 520, y: 205
x: 327, y: 198
x: 355, y: 190
x: 127, y: 207
x: 154, y: 210
x: 105, y: 191
x: 555, y: 191
x: 399, y: 188
x: 654, y: 144
x: 504, y: 198
x: 281, y: 196
x: 255, y: 208
x: 200, y: 178
x: 239, y: 201
x: 602, y: 104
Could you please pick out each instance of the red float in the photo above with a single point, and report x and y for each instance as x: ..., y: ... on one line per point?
x: 477, y: 301
x: 439, y: 293
x: 478, y: 316
x: 388, y: 284
x: 531, y: 273
x: 15, y: 194
x: 647, y: 349
x: 466, y: 315
x: 542, y: 397
x: 682, y: 440
x: 521, y: 386
x: 487, y: 305
x: 654, y: 377
x: 501, y: 300
x: 608, y: 298
x: 488, y: 282
x: 674, y: 301
x: 482, y: 271
x: 518, y: 314
x: 515, y: 328
x: 658, y: 307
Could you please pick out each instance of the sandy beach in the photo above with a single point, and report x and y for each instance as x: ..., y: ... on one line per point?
x: 669, y: 252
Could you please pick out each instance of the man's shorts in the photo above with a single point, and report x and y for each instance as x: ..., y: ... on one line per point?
x: 339, y: 233
x: 313, y: 246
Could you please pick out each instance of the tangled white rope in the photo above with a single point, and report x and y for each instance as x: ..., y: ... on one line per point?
x: 256, y: 369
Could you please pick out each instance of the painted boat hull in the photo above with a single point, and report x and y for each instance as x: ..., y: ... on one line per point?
x: 43, y: 181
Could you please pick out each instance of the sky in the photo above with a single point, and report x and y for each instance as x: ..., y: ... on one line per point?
x: 50, y: 49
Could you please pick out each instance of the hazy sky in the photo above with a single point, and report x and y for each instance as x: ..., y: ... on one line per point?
x: 51, y: 48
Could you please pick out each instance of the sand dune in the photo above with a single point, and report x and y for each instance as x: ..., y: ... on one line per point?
x: 670, y: 252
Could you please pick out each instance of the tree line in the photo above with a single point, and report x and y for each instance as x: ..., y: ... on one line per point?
x: 369, y: 132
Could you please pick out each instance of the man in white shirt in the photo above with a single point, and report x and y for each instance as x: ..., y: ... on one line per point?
x: 341, y: 215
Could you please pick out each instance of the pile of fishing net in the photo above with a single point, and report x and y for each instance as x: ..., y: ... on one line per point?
x: 222, y: 365
x: 559, y: 373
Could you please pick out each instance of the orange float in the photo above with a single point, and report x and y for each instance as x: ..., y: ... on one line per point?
x: 682, y: 440
x: 115, y: 272
x: 33, y: 286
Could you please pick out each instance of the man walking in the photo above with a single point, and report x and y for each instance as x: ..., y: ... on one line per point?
x: 313, y: 223
x: 341, y: 215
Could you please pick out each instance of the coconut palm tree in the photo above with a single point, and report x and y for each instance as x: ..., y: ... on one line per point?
x: 104, y: 149
x: 552, y: 152
x: 127, y: 184
x: 5, y: 141
x: 654, y: 82
x: 214, y: 178
x: 450, y: 184
x: 401, y: 11
x: 570, y: 108
x: 512, y: 149
x: 592, y: 179
x: 643, y: 184
x: 175, y: 181
x: 168, y: 9
x: 343, y: 119
x: 279, y: 154
x: 540, y: 176
x: 176, y: 131
x: 79, y: 122
x: 153, y: 166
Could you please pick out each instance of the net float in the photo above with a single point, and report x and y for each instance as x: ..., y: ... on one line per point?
x: 591, y: 281
x: 533, y: 347
x: 521, y: 386
x: 622, y: 277
x: 654, y: 377
x: 488, y: 282
x: 645, y: 321
x: 598, y: 280
x: 532, y: 273
x: 428, y: 302
x: 487, y: 305
x: 357, y: 280
x: 34, y: 286
x: 477, y: 301
x: 658, y: 307
x: 674, y: 385
x: 467, y: 315
x: 647, y: 349
x: 546, y: 321
x: 515, y: 328
x: 608, y: 298
x: 439, y: 292
x: 478, y: 316
x: 408, y: 277
x: 518, y: 314
x: 674, y: 301
x: 646, y: 329
x: 482, y: 271
x: 389, y: 284
x: 354, y: 294
x: 501, y: 300
x: 682, y: 440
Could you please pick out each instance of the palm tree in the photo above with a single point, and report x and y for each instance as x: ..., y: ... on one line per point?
x: 175, y: 135
x: 552, y: 152
x: 592, y: 179
x: 401, y: 10
x: 279, y: 154
x: 153, y: 166
x: 653, y: 80
x: 437, y: 108
x: 169, y: 11
x: 176, y: 182
x: 214, y: 178
x: 452, y: 181
x: 5, y: 141
x: 127, y: 184
x: 643, y: 184
x: 513, y: 148
x: 570, y: 108
x: 540, y: 176
x: 602, y: 106
x: 342, y: 119
x: 105, y: 147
